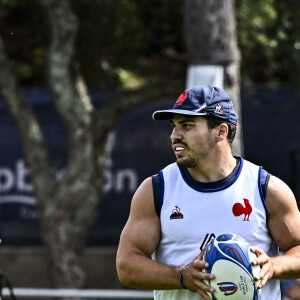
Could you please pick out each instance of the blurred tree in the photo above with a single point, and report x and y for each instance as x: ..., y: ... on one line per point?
x: 130, y: 40
x: 67, y: 206
x: 131, y: 37
x: 112, y: 44
x: 212, y: 41
x: 269, y: 38
x: 119, y: 42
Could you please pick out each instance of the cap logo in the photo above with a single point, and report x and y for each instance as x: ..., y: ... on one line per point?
x: 182, y: 98
x: 218, y: 110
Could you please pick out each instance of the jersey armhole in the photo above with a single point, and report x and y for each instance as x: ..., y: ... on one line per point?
x: 158, y: 191
x: 263, y: 180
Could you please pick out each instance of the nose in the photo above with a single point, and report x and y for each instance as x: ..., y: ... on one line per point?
x: 176, y: 134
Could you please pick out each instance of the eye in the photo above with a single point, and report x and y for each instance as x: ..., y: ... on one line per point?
x: 187, y: 125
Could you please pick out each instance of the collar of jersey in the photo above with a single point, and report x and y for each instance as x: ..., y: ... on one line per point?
x: 215, y: 186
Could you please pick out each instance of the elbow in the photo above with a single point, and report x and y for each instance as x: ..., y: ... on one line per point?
x: 123, y: 273
x: 122, y: 276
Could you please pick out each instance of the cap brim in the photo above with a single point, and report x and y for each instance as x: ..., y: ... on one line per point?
x: 168, y: 114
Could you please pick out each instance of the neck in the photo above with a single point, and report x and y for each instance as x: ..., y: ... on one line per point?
x: 213, y: 168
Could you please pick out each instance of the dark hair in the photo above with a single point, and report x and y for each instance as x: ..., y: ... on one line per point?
x: 213, y: 122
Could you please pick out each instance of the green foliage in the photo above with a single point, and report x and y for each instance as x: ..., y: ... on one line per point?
x: 126, y: 34
x: 24, y: 33
x: 130, y: 41
x: 268, y: 38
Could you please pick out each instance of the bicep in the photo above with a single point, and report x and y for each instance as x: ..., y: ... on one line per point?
x: 141, y: 233
x: 284, y: 217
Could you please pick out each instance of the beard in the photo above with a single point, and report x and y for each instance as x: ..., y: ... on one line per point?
x: 187, y: 162
x: 197, y: 153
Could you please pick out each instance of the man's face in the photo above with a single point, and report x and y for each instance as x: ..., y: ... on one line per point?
x: 192, y: 140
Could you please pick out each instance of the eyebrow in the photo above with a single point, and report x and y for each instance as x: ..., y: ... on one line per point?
x: 186, y: 119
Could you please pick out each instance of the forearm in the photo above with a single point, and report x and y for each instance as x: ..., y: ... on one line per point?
x: 139, y: 271
x: 287, y: 266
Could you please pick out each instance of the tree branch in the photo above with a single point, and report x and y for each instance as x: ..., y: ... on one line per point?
x: 70, y: 98
x: 63, y: 25
x: 119, y: 104
x: 33, y: 142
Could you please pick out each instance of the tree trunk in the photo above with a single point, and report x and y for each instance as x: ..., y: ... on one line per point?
x: 67, y: 219
x: 68, y: 206
x: 211, y: 40
x: 210, y: 32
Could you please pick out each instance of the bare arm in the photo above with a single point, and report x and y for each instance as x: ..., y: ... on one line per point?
x: 284, y: 225
x: 139, y: 239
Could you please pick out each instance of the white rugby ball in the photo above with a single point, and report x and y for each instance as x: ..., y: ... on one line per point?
x: 229, y: 258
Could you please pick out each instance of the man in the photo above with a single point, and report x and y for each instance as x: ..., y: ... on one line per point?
x: 208, y: 192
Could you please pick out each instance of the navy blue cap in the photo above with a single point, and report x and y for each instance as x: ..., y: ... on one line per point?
x: 201, y: 101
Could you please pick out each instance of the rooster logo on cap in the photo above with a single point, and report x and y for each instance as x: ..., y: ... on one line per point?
x: 182, y: 98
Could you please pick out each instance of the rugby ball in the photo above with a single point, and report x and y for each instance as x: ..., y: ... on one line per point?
x: 229, y: 258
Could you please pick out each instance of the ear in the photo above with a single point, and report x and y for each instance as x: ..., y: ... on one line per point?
x: 222, y: 132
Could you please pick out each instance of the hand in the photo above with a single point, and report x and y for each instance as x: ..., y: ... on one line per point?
x: 265, y: 263
x: 193, y: 277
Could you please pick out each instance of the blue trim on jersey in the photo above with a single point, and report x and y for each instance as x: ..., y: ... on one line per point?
x: 261, y: 193
x: 223, y: 187
x: 158, y: 185
x: 162, y: 183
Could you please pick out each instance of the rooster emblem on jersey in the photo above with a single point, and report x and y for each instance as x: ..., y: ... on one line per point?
x: 238, y: 209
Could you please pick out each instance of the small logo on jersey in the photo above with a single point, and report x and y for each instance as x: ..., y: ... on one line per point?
x: 228, y: 288
x: 176, y: 214
x: 182, y: 98
x: 238, y: 209
x: 218, y: 110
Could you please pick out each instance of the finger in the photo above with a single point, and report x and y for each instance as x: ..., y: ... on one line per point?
x: 196, y: 273
x: 263, y: 272
x: 264, y: 261
x: 201, y: 254
x: 256, y: 250
x: 200, y: 264
x: 206, y: 276
x: 203, y: 289
x: 203, y: 250
x: 263, y: 281
x: 260, y: 261
x: 200, y: 257
x: 204, y: 295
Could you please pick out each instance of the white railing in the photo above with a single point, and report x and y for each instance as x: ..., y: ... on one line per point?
x: 99, y: 294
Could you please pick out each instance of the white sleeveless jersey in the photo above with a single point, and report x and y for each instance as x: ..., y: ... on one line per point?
x: 190, y: 217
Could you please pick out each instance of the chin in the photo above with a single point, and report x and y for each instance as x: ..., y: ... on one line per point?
x: 185, y: 162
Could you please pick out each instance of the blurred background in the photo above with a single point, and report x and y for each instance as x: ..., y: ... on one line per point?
x: 79, y: 81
